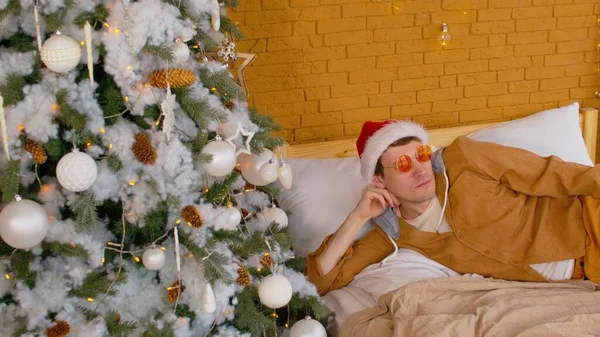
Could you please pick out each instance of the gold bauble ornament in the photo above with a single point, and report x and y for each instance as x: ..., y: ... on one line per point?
x: 243, y: 276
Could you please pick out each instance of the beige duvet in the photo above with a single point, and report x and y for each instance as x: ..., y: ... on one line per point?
x: 464, y: 306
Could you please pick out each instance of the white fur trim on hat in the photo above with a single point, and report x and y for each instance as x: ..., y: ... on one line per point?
x: 380, y: 140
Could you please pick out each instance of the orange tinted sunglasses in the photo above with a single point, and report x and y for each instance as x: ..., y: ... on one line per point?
x: 404, y: 162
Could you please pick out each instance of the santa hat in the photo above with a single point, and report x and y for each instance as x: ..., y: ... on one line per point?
x: 375, y: 137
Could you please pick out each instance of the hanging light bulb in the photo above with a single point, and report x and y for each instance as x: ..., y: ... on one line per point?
x: 444, y: 37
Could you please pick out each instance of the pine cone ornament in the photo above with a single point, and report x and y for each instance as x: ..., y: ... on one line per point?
x: 174, y: 291
x: 191, y: 216
x: 61, y: 329
x: 37, y: 151
x: 230, y: 105
x: 143, y: 150
x: 243, y: 276
x: 266, y: 260
x: 177, y: 78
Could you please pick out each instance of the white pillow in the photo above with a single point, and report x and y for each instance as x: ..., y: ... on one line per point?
x: 551, y: 132
x: 324, y: 191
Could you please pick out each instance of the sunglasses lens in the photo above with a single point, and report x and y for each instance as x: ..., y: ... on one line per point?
x: 404, y: 164
x: 424, y: 153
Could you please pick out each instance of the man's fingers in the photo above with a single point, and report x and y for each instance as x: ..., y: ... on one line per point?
x: 392, y: 200
x: 385, y: 200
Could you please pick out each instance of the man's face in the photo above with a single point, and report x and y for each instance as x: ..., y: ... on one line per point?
x: 415, y: 186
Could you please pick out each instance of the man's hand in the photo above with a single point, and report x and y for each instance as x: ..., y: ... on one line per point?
x: 373, y: 202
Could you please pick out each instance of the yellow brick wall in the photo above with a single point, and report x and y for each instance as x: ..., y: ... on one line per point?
x: 325, y: 66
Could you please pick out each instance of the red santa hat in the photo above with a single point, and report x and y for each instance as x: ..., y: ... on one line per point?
x: 375, y: 137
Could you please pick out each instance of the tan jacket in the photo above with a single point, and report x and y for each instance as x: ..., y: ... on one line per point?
x: 508, y: 208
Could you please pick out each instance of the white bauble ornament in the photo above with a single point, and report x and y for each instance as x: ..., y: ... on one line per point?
x: 231, y: 217
x: 23, y: 223
x: 269, y: 215
x: 275, y: 291
x: 209, y: 303
x: 76, y: 171
x: 308, y: 327
x: 285, y: 175
x: 250, y: 165
x: 60, y: 53
x: 223, y: 158
x: 268, y: 171
x: 154, y: 258
x: 181, y: 52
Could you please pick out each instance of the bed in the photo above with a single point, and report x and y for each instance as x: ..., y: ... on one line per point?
x: 327, y: 184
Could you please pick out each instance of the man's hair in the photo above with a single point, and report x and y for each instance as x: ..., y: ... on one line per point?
x: 399, y: 142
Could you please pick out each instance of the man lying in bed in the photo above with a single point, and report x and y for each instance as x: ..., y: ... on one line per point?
x: 474, y: 207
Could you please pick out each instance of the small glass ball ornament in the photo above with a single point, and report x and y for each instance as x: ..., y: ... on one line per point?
x: 308, y: 327
x: 285, y: 175
x: 223, y: 158
x: 23, y: 223
x: 181, y: 52
x: 275, y: 291
x: 60, y: 53
x: 154, y: 258
x: 76, y: 171
x: 269, y: 171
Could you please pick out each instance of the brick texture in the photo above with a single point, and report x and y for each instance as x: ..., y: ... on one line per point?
x: 323, y: 67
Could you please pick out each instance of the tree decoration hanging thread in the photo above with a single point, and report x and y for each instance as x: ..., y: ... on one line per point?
x: 176, y: 78
x: 61, y: 329
x: 191, y: 216
x: 37, y: 151
x: 143, y: 150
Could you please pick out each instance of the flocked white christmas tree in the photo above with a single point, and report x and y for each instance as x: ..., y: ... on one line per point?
x: 139, y: 189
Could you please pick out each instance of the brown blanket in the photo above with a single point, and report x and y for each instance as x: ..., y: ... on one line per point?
x: 465, y: 306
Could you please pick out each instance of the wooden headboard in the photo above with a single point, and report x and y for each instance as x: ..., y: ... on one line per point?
x: 588, y: 118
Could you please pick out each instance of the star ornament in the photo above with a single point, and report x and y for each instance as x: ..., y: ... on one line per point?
x: 244, y: 133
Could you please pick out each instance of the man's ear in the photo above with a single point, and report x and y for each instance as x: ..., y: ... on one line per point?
x: 378, y: 181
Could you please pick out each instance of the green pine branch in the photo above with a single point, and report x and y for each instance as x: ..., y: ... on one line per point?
x: 255, y: 244
x: 166, y: 331
x: 151, y: 112
x: 227, y: 26
x: 263, y: 139
x: 84, y: 208
x: 20, y: 262
x: 155, y: 221
x: 114, y: 163
x: 111, y: 101
x: 21, y: 330
x: 98, y: 283
x: 297, y: 263
x: 231, y: 3
x: 95, y: 17
x: 214, y: 269
x: 65, y: 249
x: 184, y: 310
x: 228, y: 237
x: 163, y: 52
x: 22, y: 42
x: 9, y: 183
x: 89, y: 314
x: 7, y: 299
x: 220, y: 190
x: 303, y: 306
x: 250, y: 318
x: 5, y: 250
x: 55, y: 149
x: 12, y: 89
x: 281, y: 236
x: 55, y: 20
x: 271, y: 191
x: 198, y: 110
x: 68, y: 115
x: 202, y: 38
x: 222, y: 81
x: 118, y: 328
x: 36, y: 74
x: 12, y: 7
x: 196, y: 145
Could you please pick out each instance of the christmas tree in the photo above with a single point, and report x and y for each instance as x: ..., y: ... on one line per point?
x: 139, y: 189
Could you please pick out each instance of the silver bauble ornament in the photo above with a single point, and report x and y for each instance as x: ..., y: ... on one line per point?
x: 223, y: 158
x: 285, y: 175
x: 23, y: 223
x: 60, y: 53
x: 250, y: 165
x: 308, y: 327
x: 275, y: 291
x: 181, y: 52
x: 76, y: 171
x: 154, y: 258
